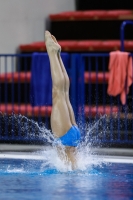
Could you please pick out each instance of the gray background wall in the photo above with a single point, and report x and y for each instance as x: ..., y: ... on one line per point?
x: 23, y: 21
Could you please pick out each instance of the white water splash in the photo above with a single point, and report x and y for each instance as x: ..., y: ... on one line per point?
x: 51, y: 160
x: 85, y: 156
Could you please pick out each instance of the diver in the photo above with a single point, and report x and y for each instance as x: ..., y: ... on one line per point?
x: 63, y: 122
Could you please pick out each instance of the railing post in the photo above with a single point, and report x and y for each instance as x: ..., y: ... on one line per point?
x: 73, y: 85
x: 122, y: 34
x: 81, y: 93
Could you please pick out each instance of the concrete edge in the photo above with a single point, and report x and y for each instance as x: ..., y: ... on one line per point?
x: 34, y: 148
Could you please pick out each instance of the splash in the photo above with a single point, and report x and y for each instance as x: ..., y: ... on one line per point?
x: 85, y: 157
x: 20, y: 128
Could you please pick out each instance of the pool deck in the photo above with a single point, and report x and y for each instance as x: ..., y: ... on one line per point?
x: 32, y: 152
x: 35, y: 148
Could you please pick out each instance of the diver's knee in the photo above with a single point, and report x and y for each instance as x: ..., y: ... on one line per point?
x: 58, y: 92
x: 59, y: 84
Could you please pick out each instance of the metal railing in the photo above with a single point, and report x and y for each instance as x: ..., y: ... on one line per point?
x: 122, y: 32
x: 106, y: 119
x: 20, y: 121
x: 18, y: 118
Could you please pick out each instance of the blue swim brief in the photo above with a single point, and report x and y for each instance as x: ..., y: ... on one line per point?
x: 71, y: 138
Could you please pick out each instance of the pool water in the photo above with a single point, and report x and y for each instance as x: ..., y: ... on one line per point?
x: 34, y: 179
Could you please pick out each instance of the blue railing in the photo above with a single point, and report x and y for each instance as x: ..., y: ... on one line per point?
x: 107, y: 121
x: 17, y: 115
x: 96, y: 112
x: 19, y: 120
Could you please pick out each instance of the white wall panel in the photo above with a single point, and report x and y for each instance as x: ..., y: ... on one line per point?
x: 23, y: 21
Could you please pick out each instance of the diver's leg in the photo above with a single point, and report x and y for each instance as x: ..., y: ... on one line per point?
x: 60, y: 119
x: 67, y: 85
x: 69, y: 157
x: 71, y: 154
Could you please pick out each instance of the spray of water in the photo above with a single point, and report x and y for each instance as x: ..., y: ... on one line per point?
x: 84, y: 155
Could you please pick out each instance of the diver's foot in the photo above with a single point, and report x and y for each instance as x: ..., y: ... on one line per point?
x: 51, y: 43
x: 53, y: 37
